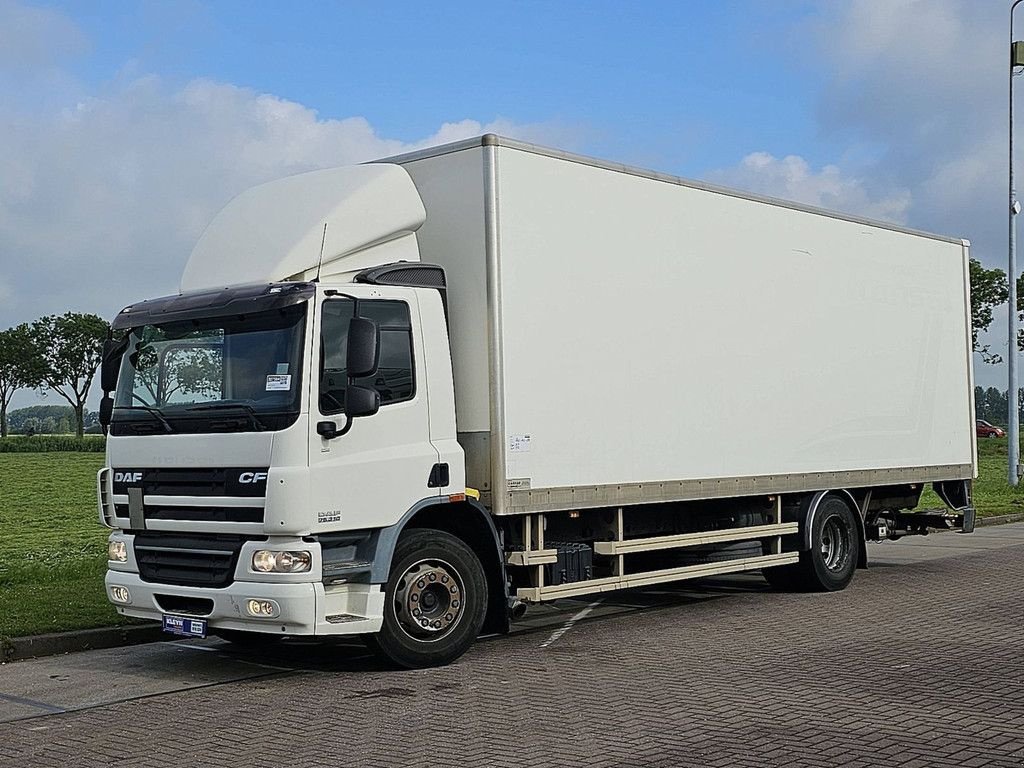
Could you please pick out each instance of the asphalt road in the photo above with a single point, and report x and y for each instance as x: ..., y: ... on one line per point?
x: 917, y: 663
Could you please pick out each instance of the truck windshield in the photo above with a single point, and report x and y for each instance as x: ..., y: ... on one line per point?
x: 225, y: 374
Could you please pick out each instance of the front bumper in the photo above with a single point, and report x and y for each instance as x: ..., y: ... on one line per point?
x: 305, y: 608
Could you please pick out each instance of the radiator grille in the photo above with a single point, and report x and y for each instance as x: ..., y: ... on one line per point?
x: 200, y: 514
x: 186, y: 560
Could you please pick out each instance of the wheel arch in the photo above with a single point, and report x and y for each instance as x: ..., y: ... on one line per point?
x: 466, y: 520
x: 809, y: 510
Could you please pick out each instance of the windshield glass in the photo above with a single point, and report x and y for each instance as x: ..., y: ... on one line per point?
x: 238, y: 373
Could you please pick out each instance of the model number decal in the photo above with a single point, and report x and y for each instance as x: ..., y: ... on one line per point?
x: 252, y: 477
x: 330, y: 516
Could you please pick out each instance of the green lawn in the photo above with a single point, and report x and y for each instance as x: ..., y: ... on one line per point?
x: 52, y: 547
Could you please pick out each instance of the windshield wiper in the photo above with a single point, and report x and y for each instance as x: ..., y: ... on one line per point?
x: 157, y: 413
x: 259, y: 425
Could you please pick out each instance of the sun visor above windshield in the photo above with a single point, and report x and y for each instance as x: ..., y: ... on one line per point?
x: 276, y: 231
x: 220, y: 302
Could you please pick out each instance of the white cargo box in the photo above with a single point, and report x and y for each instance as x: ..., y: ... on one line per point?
x: 621, y: 336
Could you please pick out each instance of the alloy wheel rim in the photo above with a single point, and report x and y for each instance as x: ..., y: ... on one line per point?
x: 429, y: 600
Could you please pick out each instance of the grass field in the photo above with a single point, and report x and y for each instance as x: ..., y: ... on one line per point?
x: 53, y: 549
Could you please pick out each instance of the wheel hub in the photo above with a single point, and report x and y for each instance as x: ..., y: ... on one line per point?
x: 429, y: 599
x: 834, y: 548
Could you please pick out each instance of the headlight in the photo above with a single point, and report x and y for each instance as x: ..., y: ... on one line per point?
x: 117, y: 551
x: 266, y: 561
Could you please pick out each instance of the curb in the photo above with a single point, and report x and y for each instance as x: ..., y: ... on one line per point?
x: 1016, y: 517
x: 18, y: 648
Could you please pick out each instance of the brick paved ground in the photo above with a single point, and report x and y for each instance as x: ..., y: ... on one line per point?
x: 915, y: 665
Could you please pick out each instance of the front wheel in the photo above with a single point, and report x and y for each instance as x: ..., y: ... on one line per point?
x: 435, y: 601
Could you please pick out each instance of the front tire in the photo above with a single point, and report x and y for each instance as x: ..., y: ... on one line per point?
x: 435, y: 601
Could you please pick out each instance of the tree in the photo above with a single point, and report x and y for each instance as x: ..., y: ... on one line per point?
x: 989, y: 289
x: 66, y: 351
x: 15, y: 356
x: 177, y: 372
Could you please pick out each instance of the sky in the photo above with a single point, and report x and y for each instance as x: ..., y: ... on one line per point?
x: 125, y: 126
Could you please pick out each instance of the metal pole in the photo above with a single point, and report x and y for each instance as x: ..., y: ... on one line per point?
x: 1013, y: 409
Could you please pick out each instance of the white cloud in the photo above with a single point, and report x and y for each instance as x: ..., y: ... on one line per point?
x: 792, y: 178
x: 103, y: 199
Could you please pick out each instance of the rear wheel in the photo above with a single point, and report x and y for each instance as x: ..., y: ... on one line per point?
x: 829, y: 565
x: 435, y: 601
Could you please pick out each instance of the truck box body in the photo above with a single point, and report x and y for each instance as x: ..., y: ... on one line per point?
x: 620, y: 336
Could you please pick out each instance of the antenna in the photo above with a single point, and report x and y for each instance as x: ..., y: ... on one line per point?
x: 320, y: 263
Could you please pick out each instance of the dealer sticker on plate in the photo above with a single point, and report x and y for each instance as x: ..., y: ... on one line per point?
x: 182, y: 625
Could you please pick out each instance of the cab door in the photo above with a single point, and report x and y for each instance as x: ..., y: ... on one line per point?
x: 370, y: 476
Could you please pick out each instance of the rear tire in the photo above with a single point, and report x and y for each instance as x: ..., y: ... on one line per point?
x: 829, y: 565
x: 435, y: 601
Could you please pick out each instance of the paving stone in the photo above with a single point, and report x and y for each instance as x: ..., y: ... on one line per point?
x: 914, y: 666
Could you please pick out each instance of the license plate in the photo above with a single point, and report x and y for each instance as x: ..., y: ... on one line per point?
x: 185, y: 626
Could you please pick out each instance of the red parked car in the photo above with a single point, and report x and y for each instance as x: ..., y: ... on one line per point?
x: 984, y: 429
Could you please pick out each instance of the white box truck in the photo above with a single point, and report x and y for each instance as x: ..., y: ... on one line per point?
x: 404, y: 399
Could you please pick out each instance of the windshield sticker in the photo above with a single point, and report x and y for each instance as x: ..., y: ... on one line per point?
x: 282, y: 368
x: 281, y: 383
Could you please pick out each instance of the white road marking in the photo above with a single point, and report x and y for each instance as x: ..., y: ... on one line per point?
x: 177, y: 644
x: 558, y: 633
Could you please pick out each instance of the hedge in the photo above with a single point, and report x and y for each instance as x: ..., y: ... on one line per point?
x: 48, y: 443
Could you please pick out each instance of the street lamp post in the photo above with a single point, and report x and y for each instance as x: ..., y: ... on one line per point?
x: 1013, y: 409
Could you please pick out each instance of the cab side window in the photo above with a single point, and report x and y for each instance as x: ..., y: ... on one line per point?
x: 395, y: 378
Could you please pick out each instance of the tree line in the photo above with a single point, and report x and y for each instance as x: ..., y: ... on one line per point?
x: 49, y: 420
x: 991, y: 404
x: 56, y: 353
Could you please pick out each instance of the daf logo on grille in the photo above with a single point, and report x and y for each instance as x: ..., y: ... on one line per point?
x: 252, y: 477
x: 127, y: 477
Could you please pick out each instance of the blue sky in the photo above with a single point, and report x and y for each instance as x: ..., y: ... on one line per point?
x: 632, y: 78
x: 126, y: 125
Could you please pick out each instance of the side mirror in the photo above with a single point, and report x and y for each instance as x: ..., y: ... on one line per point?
x: 113, y: 350
x: 363, y: 349
x: 106, y: 410
x: 361, y: 401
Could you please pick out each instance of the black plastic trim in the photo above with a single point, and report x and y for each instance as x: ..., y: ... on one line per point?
x: 220, y: 302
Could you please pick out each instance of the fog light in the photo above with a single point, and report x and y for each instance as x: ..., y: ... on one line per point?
x: 117, y: 551
x: 120, y: 595
x: 267, y: 561
x: 261, y: 608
